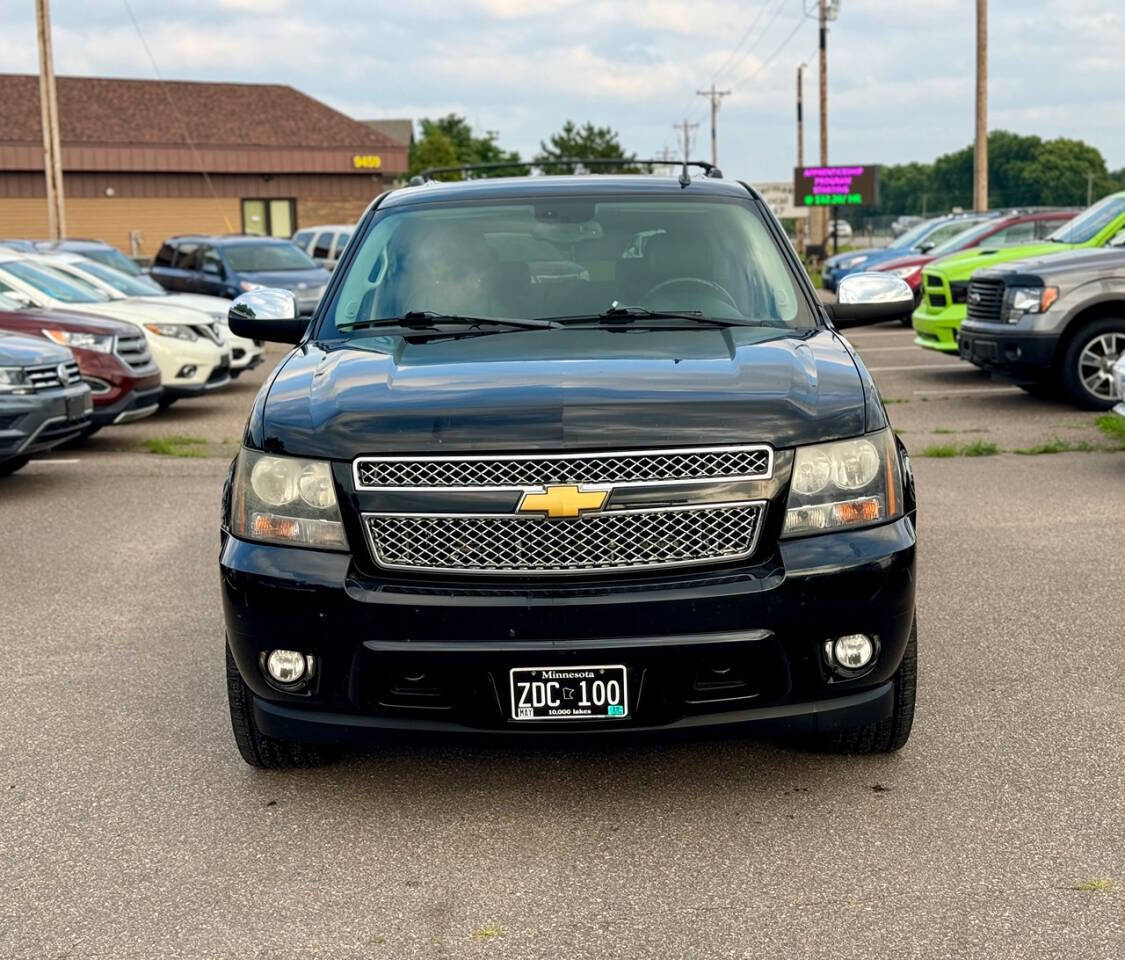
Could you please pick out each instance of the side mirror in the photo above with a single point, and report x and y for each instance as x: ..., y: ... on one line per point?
x: 866, y: 297
x: 267, y: 314
x: 212, y: 269
x: 926, y: 246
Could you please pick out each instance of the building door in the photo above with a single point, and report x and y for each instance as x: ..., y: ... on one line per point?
x: 268, y: 218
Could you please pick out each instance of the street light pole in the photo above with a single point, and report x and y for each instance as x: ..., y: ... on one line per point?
x: 980, y: 147
x: 49, y: 111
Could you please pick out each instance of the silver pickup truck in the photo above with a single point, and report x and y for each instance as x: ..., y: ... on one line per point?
x: 43, y: 399
x: 1052, y: 324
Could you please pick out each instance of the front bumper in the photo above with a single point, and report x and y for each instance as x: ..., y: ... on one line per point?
x: 33, y: 423
x: 189, y: 367
x: 938, y: 328
x: 765, y: 625
x: 1008, y: 354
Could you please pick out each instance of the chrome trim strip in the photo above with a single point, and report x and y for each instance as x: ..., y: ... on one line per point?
x: 597, y: 455
x: 577, y: 571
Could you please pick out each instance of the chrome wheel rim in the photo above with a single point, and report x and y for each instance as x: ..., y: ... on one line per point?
x: 1095, y: 363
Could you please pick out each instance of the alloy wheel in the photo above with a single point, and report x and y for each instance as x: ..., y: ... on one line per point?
x: 1096, y: 360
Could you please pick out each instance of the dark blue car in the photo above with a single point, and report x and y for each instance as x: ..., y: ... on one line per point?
x: 923, y: 237
x: 227, y: 266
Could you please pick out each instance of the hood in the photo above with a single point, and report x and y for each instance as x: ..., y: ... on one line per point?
x: 911, y: 260
x: 289, y: 279
x: 1106, y: 261
x: 964, y: 263
x: 140, y: 311
x: 213, y: 306
x: 17, y: 350
x: 559, y: 390
x: 36, y: 319
x: 870, y: 257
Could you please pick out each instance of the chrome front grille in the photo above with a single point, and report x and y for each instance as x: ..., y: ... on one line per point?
x: 614, y: 540
x: 54, y: 375
x: 986, y: 301
x: 630, y: 467
x: 134, y: 351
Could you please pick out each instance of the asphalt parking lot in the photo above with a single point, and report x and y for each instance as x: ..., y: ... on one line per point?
x: 130, y: 828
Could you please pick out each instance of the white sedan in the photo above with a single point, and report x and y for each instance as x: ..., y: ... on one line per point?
x: 245, y: 354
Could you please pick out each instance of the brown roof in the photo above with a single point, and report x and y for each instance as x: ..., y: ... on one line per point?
x: 102, y: 110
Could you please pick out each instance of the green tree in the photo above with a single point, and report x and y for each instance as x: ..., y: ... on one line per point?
x: 466, y: 148
x: 584, y: 143
x: 435, y: 149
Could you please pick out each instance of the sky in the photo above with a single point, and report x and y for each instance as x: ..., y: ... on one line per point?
x: 901, y: 75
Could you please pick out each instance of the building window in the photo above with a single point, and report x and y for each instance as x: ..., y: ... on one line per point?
x: 269, y: 218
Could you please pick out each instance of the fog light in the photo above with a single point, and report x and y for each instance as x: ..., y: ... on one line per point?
x: 853, y: 651
x: 286, y: 666
x: 187, y: 370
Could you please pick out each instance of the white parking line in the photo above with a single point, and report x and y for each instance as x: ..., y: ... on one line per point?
x: 56, y: 461
x: 951, y: 365
x: 905, y: 346
x: 961, y: 391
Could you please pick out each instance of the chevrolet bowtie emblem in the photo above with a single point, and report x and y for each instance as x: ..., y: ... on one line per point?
x: 563, y: 501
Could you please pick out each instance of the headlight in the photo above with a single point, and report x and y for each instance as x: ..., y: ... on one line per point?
x: 13, y: 380
x: 1024, y: 300
x: 179, y: 331
x: 286, y: 500
x: 101, y: 342
x: 905, y: 273
x: 247, y: 286
x: 847, y: 483
x: 853, y: 262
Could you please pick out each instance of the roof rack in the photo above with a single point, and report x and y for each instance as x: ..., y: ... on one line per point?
x: 709, y: 169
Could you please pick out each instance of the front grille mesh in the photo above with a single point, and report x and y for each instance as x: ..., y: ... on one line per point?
x: 134, y: 351
x: 604, y: 541
x: 651, y: 467
x: 986, y: 300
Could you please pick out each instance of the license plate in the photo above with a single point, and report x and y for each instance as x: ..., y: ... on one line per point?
x: 569, y: 693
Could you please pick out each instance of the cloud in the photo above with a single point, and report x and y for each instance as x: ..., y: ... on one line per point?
x: 901, y: 81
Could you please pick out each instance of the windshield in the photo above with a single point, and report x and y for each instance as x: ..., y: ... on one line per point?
x: 965, y: 238
x: 1091, y: 221
x: 113, y: 257
x: 912, y: 236
x: 138, y: 286
x: 266, y: 257
x: 569, y: 257
x: 9, y: 305
x: 56, y: 285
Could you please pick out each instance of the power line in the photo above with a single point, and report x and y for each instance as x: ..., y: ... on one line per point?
x: 765, y: 30
x: 745, y: 36
x: 773, y: 56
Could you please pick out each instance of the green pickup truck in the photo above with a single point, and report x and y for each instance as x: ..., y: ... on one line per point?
x: 945, y: 283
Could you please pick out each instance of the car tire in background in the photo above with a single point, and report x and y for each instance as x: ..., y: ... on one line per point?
x: 1084, y: 354
x: 11, y: 466
x: 256, y: 748
x: 884, y: 736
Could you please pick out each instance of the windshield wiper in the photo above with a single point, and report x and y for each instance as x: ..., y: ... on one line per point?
x: 431, y: 320
x: 618, y: 315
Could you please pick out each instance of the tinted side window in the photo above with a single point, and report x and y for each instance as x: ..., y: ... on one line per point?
x: 187, y: 256
x: 1016, y: 233
x: 210, y: 262
x: 302, y: 239
x: 1044, y: 228
x: 341, y: 242
x: 322, y: 246
x: 164, y: 256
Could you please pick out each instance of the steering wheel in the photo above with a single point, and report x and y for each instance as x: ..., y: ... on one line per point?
x: 680, y: 281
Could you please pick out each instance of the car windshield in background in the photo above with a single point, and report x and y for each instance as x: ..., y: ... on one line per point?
x: 1091, y: 221
x: 56, y: 285
x: 266, y: 257
x: 8, y: 305
x: 112, y: 257
x: 569, y: 258
x: 915, y: 234
x: 139, y: 286
x: 965, y: 237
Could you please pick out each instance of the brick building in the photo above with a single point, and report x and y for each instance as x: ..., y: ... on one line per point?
x: 145, y: 159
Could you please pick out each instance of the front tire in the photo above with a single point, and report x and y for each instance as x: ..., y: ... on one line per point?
x: 883, y: 736
x: 1086, y: 363
x: 258, y: 750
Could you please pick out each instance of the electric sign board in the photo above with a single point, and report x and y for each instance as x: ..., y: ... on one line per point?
x: 856, y: 186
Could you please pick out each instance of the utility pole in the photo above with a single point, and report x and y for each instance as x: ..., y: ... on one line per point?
x: 715, y: 96
x: 980, y: 147
x: 800, y: 223
x: 49, y: 110
x: 822, y: 216
x: 685, y: 129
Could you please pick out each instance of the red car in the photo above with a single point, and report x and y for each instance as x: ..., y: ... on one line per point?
x: 1001, y: 231
x: 113, y: 358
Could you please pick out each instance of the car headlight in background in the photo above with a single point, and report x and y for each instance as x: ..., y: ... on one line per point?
x: 101, y: 342
x: 14, y: 380
x: 906, y: 273
x: 1025, y: 300
x: 179, y: 331
x: 286, y: 500
x: 846, y: 483
x: 853, y: 262
x: 247, y: 286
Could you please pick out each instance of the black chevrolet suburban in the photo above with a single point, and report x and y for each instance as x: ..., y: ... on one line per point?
x: 568, y: 455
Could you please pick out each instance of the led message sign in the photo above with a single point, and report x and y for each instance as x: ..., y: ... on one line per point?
x: 836, y: 186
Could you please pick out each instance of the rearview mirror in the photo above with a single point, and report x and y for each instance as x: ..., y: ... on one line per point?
x: 865, y: 297
x: 267, y: 313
